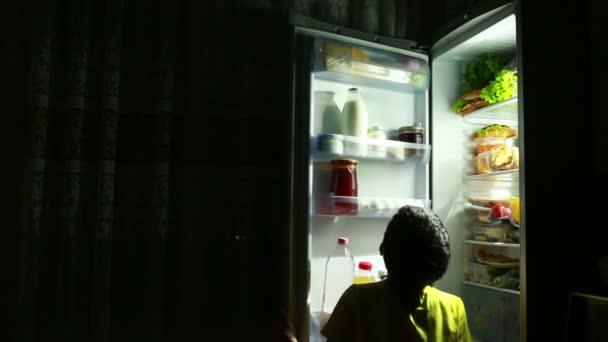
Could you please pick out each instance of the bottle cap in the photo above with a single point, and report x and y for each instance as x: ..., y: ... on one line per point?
x: 365, y: 265
x: 342, y: 241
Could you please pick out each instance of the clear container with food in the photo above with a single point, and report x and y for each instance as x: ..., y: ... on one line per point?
x: 501, y: 158
x: 491, y: 143
x: 492, y: 233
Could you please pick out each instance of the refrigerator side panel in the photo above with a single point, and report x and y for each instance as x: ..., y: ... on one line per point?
x: 299, y: 242
x: 447, y: 167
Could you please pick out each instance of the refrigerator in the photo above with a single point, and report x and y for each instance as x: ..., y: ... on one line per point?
x: 404, y: 85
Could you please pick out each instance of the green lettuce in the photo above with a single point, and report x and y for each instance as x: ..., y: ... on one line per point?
x: 482, y: 71
x: 456, y: 107
x: 503, y: 87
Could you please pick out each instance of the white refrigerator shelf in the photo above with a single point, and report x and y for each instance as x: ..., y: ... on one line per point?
x: 371, y: 207
x: 494, y: 244
x: 506, y: 110
x: 335, y: 146
x: 491, y: 287
x: 508, y: 175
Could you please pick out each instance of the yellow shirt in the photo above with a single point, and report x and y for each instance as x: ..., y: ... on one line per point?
x: 369, y: 313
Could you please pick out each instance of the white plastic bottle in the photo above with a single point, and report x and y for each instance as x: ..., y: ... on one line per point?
x: 339, y: 273
x: 329, y: 112
x: 355, y: 114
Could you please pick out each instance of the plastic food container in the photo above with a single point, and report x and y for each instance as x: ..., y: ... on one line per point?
x: 331, y: 143
x: 491, y: 233
x: 500, y: 158
x: 490, y: 143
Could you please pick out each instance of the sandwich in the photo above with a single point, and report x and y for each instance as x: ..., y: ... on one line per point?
x: 469, y: 102
x: 495, y: 131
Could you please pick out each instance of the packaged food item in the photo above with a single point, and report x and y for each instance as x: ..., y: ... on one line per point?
x: 489, y: 144
x: 493, y: 137
x: 501, y: 158
x: 515, y: 216
x: 491, y: 233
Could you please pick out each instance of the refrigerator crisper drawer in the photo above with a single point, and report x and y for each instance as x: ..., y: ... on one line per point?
x: 337, y: 145
x: 506, y: 278
x: 355, y: 60
x: 365, y: 206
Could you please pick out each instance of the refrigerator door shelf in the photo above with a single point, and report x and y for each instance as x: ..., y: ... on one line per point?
x: 515, y: 292
x: 508, y: 175
x: 505, y: 110
x: 369, y: 149
x: 365, y: 206
x: 338, y: 60
x: 492, y: 244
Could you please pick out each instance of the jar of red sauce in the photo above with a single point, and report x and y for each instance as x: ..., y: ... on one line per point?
x: 344, y: 184
x: 412, y: 134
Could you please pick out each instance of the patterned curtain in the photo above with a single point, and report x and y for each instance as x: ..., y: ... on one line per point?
x: 413, y: 20
x: 96, y: 180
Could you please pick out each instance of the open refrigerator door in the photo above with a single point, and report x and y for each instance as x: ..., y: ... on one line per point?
x: 477, y: 134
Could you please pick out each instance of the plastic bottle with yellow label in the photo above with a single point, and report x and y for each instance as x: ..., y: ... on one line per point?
x: 364, y: 274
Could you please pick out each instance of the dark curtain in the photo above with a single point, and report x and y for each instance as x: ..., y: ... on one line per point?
x: 144, y: 158
x: 144, y: 170
x: 87, y: 169
x: 407, y: 19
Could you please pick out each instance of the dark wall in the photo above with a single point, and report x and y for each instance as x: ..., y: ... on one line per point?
x: 566, y: 232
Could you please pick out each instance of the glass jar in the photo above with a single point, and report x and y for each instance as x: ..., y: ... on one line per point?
x: 412, y: 134
x: 376, y: 132
x: 376, y: 148
x: 344, y: 184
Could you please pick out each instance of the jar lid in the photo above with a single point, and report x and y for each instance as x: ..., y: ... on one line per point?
x: 342, y: 240
x: 365, y: 265
x: 344, y: 161
x: 411, y: 129
x: 380, y: 128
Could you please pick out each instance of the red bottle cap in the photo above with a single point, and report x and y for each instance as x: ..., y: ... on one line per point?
x: 365, y: 265
x: 342, y: 241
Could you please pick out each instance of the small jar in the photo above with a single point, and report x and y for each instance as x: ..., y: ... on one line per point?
x: 412, y: 134
x: 376, y: 132
x: 376, y: 148
x: 331, y: 143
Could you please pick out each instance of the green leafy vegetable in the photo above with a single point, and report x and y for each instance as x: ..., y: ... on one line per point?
x: 502, y: 88
x: 482, y: 71
x: 456, y: 107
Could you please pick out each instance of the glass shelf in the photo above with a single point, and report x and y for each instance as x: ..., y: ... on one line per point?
x: 370, y: 81
x: 494, y: 244
x: 508, y: 175
x: 337, y: 146
x: 370, y: 207
x: 505, y: 110
x: 491, y: 287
